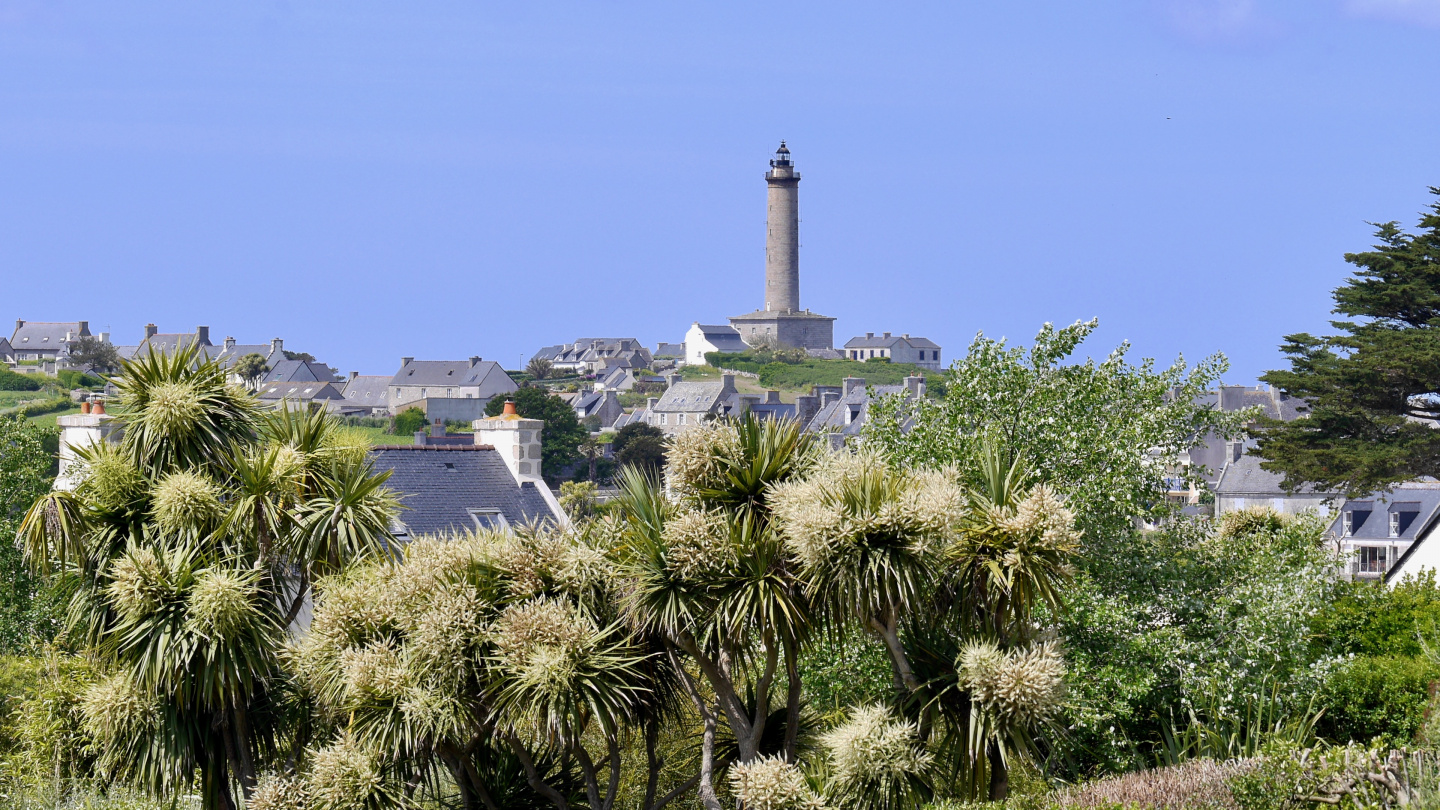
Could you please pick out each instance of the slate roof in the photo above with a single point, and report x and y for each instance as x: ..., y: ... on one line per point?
x: 486, y: 374
x: 832, y: 418
x: 1418, y: 508
x: 37, y: 335
x: 826, y: 354
x: 299, y: 371
x: 367, y: 389
x: 5, y: 349
x: 439, y: 483
x: 300, y: 391
x: 549, y: 352
x: 586, y: 402
x: 169, y: 342
x: 1245, y: 477
x: 230, y: 355
x: 126, y: 352
x: 723, y: 338
x: 692, y: 397
x: 669, y: 350
x: 883, y: 342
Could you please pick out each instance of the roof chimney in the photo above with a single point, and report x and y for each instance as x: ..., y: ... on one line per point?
x: 229, y: 342
x: 438, y: 428
x: 651, y: 402
x: 474, y: 361
x: 671, y: 380
x: 18, y: 324
x: 916, y: 386
x: 887, y: 334
x: 84, y: 328
x: 202, y: 335
x: 405, y: 361
x: 828, y: 398
x: 727, y: 383
x: 277, y: 346
x: 852, y: 383
x: 353, y: 375
x: 869, y: 334
x: 509, y: 409
x: 772, y: 397
x: 104, y: 337
x: 150, y: 330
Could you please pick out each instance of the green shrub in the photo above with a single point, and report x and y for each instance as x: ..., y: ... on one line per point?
x: 42, y: 745
x: 410, y: 421
x: 10, y: 381
x: 45, y: 406
x: 1377, y: 697
x: 72, y: 379
x: 833, y: 372
x: 1369, y: 618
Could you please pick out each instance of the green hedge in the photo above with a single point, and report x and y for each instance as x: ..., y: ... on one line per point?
x: 44, y: 407
x: 72, y: 379
x: 10, y: 381
x: 1370, y: 697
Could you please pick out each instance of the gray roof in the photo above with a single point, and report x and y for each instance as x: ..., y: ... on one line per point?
x: 169, y: 342
x: 300, y: 391
x: 693, y: 397
x: 299, y: 371
x: 885, y: 342
x: 438, y: 484
x: 549, y: 352
x: 709, y: 330
x: 487, y: 374
x: 670, y: 350
x: 369, y: 390
x: 1274, y: 403
x: 126, y: 352
x: 835, y: 417
x: 1245, y: 477
x: 230, y: 355
x: 826, y: 354
x: 1370, y: 518
x: 35, y: 335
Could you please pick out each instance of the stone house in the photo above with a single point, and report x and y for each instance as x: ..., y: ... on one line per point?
x: 299, y: 371
x: 7, y: 352
x: 366, y: 394
x: 595, y: 355
x: 1375, y: 533
x: 903, y: 349
x: 36, y: 345
x: 1243, y: 484
x: 300, y: 395
x: 840, y: 412
x: 702, y: 338
x: 602, y: 404
x: 447, y: 379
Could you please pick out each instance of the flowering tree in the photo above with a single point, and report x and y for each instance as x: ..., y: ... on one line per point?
x: 185, y: 551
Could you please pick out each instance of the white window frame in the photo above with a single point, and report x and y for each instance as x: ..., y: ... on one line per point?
x: 1347, y: 523
x: 1394, y: 524
x: 500, y: 523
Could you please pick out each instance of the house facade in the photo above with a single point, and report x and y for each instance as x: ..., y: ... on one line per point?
x: 1374, y: 533
x: 596, y: 355
x: 702, y: 338
x: 37, y: 344
x: 447, y: 379
x: 919, y: 351
x: 366, y: 394
x: 1243, y: 484
x: 839, y: 412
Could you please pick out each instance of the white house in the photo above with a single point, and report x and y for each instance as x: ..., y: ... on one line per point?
x: 903, y: 349
x: 702, y: 338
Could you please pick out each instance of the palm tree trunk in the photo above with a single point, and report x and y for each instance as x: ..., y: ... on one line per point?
x: 708, y: 799
x: 652, y: 761
x: 244, y: 765
x: 792, y: 702
x: 999, y: 774
x: 890, y: 634
x: 532, y: 775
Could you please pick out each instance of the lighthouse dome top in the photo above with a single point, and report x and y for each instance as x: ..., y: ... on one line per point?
x: 782, y: 156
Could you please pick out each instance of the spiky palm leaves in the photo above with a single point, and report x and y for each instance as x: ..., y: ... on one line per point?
x: 477, y: 647
x: 178, y: 547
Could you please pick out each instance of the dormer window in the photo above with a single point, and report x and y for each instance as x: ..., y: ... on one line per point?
x: 489, y: 520
x: 1394, y: 524
x: 1347, y: 523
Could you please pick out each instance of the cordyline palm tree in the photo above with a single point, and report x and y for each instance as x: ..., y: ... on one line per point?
x: 707, y: 577
x: 186, y: 550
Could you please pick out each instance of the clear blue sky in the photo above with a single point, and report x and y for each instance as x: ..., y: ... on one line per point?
x: 371, y: 180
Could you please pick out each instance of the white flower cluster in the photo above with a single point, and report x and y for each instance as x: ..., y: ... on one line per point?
x: 771, y: 783
x: 221, y: 602
x: 697, y: 455
x: 137, y: 583
x: 697, y: 544
x: 1043, y: 517
x: 279, y: 792
x: 540, y: 627
x: 375, y: 669
x: 119, y: 709
x: 111, y: 481
x: 1020, y: 687
x: 874, y: 746
x: 186, y: 501
x: 344, y: 776
x: 173, y: 407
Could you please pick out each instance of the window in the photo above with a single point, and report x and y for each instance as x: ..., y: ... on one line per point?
x: 1394, y: 524
x: 1347, y: 523
x: 1371, y: 560
x: 680, y: 420
x: 490, y: 519
x: 422, y: 393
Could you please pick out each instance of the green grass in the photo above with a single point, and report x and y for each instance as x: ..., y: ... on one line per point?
x: 48, y: 419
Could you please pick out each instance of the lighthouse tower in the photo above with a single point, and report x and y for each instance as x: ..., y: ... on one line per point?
x: 781, y: 320
x: 782, y: 234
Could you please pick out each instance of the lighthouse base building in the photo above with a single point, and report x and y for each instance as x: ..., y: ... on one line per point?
x: 803, y: 330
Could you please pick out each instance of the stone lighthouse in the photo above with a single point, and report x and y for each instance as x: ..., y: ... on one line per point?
x: 781, y: 320
x: 782, y: 234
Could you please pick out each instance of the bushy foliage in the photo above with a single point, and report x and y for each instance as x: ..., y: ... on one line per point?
x: 1377, y: 698
x: 29, y: 609
x: 411, y: 420
x: 12, y: 381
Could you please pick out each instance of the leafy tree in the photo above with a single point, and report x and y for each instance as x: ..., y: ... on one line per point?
x: 186, y: 552
x: 640, y: 445
x: 410, y: 421
x: 92, y: 353
x: 250, y: 368
x: 593, y: 449
x: 539, y: 368
x: 27, y: 610
x: 1103, y: 434
x: 1369, y: 386
x: 304, y: 357
x: 560, y: 443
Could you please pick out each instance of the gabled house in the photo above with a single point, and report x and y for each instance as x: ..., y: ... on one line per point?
x: 299, y: 371
x: 7, y: 353
x: 595, y: 355
x: 840, y: 412
x: 38, y: 344
x: 616, y: 379
x: 1243, y: 484
x: 297, y: 395
x: 605, y: 405
x: 702, y: 338
x: 903, y: 349
x: 366, y: 394
x: 1375, y: 533
x: 686, y: 404
x: 447, y: 379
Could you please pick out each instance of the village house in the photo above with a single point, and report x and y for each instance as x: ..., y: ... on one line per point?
x: 448, y: 379
x: 300, y: 395
x: 1243, y: 484
x: 840, y: 412
x: 1375, y: 533
x: 44, y: 346
x: 604, y: 405
x: 903, y: 349
x: 366, y: 394
x: 595, y: 355
x: 703, y: 338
